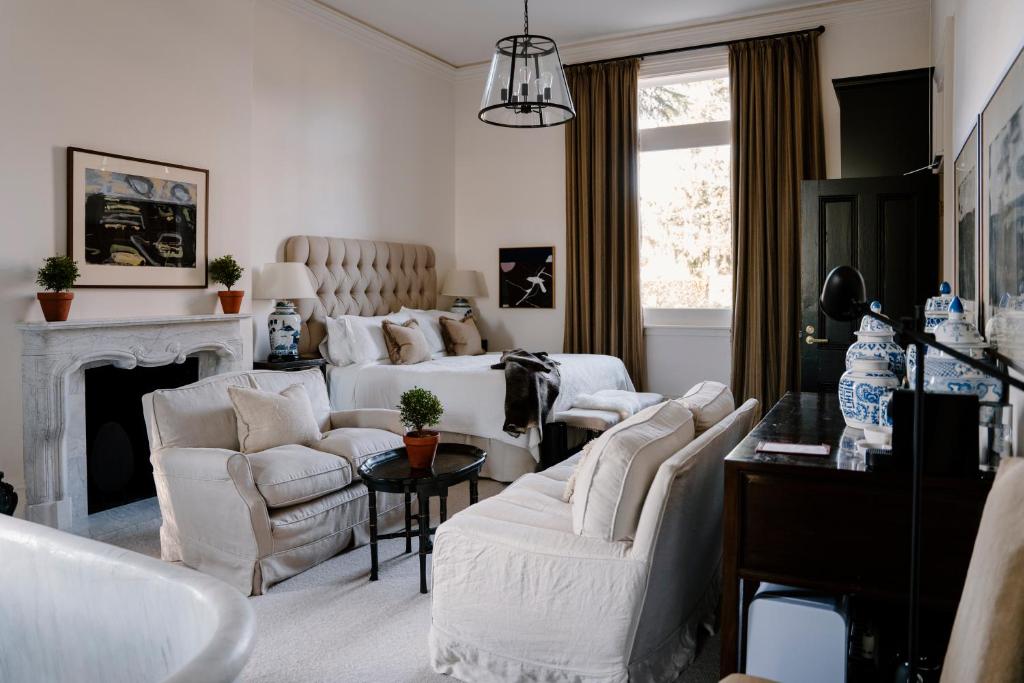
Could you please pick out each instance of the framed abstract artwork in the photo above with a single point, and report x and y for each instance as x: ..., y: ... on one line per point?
x: 967, y: 231
x: 135, y: 222
x: 1002, y: 148
x: 526, y: 277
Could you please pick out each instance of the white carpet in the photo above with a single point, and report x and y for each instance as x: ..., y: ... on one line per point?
x: 331, y: 623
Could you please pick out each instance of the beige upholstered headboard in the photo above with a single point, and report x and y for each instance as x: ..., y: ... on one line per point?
x: 360, y: 277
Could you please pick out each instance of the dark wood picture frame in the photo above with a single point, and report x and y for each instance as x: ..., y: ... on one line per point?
x: 505, y: 301
x: 73, y: 206
x: 968, y: 160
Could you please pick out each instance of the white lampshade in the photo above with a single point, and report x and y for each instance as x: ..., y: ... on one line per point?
x: 283, y: 281
x: 464, y: 283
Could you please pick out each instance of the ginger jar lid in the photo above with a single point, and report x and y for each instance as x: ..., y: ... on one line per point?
x: 874, y: 328
x: 940, y: 303
x: 957, y: 332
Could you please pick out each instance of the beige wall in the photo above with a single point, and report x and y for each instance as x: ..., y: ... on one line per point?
x: 306, y: 124
x: 509, y: 185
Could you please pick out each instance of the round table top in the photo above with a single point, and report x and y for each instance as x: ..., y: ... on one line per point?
x: 454, y: 462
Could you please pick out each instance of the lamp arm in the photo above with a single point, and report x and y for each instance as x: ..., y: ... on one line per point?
x: 927, y: 340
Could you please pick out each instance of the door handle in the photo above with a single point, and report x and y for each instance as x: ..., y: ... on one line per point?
x: 814, y: 340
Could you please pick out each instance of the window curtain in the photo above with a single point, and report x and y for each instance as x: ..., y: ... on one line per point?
x: 777, y: 141
x: 603, y: 313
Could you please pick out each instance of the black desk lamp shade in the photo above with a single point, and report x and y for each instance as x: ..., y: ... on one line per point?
x: 844, y: 296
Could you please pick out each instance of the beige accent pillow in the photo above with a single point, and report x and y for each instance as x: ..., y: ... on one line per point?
x: 267, y: 420
x: 570, y: 484
x: 709, y: 402
x: 461, y: 337
x: 406, y: 342
x: 612, y: 482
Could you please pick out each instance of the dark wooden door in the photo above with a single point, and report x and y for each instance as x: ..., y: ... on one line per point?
x: 888, y: 228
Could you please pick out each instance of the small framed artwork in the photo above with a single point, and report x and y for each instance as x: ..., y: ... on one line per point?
x: 526, y: 277
x: 135, y: 222
x: 1002, y: 136
x: 967, y: 232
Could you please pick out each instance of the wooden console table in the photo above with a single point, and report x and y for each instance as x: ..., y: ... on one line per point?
x: 826, y: 524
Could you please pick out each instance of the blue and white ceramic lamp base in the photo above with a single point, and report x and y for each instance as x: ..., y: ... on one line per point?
x: 285, y: 326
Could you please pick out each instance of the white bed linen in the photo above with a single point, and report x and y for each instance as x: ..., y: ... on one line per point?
x: 472, y: 393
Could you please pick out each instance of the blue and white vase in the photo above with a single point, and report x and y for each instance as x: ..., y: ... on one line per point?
x: 860, y: 391
x: 285, y: 326
x: 943, y: 373
x: 877, y: 340
x: 936, y: 312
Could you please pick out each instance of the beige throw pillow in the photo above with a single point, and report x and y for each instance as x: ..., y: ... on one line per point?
x: 406, y: 342
x: 461, y: 337
x: 267, y: 420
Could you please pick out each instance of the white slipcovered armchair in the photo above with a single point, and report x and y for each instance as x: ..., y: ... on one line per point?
x: 254, y: 519
x: 518, y: 595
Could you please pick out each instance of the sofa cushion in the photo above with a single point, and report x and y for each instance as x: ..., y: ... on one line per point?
x: 356, y: 444
x: 613, y: 480
x: 199, y: 415
x: 292, y: 474
x: 313, y: 382
x: 266, y: 419
x: 709, y: 402
x: 406, y: 343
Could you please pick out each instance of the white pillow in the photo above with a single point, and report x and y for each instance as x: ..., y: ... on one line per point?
x: 709, y: 402
x: 612, y: 483
x: 266, y: 419
x: 357, y: 338
x: 430, y: 325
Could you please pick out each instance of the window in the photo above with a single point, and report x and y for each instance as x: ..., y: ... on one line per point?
x: 685, y: 206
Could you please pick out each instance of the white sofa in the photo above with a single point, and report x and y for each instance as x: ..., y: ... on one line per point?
x: 254, y: 519
x: 518, y: 595
x: 75, y: 609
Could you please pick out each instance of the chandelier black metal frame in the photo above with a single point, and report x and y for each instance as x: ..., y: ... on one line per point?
x: 526, y: 79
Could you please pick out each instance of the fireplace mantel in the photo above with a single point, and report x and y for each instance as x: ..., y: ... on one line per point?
x: 54, y: 358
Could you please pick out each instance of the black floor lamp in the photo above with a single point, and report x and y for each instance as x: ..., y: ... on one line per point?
x: 844, y: 298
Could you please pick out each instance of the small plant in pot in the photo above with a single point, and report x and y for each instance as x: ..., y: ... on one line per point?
x: 226, y: 271
x: 420, y: 409
x: 57, y: 276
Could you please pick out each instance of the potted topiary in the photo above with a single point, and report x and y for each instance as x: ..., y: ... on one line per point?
x: 57, y: 276
x: 420, y: 408
x: 226, y: 271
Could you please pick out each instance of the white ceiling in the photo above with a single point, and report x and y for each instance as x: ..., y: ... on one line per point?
x: 463, y: 32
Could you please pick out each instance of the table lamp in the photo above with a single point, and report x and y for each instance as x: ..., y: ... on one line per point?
x: 844, y: 298
x: 463, y: 284
x: 283, y: 282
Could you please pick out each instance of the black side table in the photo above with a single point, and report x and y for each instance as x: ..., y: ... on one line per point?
x: 303, y: 363
x: 389, y: 472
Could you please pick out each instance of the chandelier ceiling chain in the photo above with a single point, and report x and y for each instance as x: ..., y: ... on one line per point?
x: 526, y: 86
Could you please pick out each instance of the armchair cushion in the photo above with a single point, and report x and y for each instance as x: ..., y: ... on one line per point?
x: 199, y: 415
x: 613, y: 480
x: 356, y: 444
x: 709, y: 402
x: 266, y: 419
x: 292, y: 474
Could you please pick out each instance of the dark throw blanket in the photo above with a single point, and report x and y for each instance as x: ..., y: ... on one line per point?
x: 532, y: 382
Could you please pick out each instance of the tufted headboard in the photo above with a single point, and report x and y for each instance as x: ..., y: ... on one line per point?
x: 360, y: 277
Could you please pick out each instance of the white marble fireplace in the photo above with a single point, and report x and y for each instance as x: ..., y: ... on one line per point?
x: 54, y: 359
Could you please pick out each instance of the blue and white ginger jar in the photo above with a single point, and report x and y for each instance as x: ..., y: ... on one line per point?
x: 936, y: 308
x: 861, y: 388
x: 876, y: 340
x: 943, y: 373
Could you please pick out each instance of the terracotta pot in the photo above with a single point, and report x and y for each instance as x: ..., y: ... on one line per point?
x: 231, y: 300
x: 55, y: 305
x: 421, y: 447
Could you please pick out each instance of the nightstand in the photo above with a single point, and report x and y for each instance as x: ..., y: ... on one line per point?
x: 303, y: 363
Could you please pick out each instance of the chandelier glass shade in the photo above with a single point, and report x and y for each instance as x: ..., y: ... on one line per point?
x: 526, y: 86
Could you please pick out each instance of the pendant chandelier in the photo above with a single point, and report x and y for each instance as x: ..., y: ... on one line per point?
x: 526, y: 87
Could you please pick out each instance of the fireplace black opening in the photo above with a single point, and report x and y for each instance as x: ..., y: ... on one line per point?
x: 117, y: 447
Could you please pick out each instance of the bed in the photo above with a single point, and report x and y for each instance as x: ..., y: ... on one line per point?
x: 368, y: 278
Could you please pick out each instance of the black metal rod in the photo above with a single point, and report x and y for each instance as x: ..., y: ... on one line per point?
x: 689, y: 48
x: 913, y: 630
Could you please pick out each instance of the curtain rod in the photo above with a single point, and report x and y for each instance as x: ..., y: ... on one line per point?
x: 722, y: 43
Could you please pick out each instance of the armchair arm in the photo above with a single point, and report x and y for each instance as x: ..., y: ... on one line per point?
x: 371, y: 418
x: 210, y: 503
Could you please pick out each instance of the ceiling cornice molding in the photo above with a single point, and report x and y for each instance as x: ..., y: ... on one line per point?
x: 732, y: 28
x: 368, y: 36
